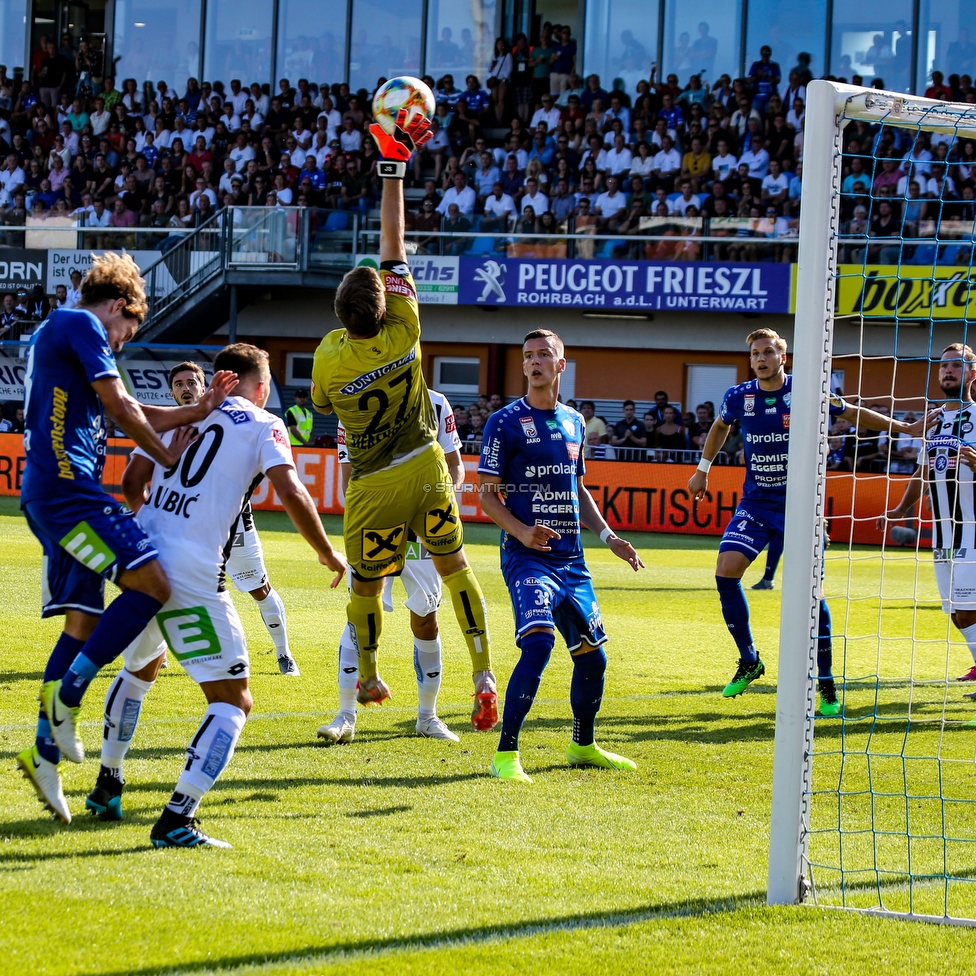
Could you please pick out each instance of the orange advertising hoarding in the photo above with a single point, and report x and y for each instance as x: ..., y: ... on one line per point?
x: 632, y: 496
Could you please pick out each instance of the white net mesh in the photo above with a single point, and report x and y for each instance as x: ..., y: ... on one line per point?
x: 891, y: 820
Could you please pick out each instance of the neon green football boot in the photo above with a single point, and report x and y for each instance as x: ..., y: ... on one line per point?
x: 593, y: 755
x: 63, y: 721
x: 506, y: 765
x: 827, y: 704
x: 744, y: 676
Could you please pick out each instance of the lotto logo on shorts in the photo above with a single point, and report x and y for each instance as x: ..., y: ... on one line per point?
x: 440, y: 521
x: 382, y: 543
x: 189, y: 633
x: 85, y: 544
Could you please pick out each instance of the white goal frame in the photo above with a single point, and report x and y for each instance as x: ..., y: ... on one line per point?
x: 827, y: 101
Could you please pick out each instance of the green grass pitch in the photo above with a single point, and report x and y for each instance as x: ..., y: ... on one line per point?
x: 400, y: 855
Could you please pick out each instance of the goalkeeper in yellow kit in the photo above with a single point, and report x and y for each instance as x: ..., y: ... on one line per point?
x: 370, y: 374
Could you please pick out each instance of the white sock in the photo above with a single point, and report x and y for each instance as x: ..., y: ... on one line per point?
x: 123, y: 702
x: 207, y: 755
x: 969, y: 633
x: 427, y: 664
x: 348, y: 675
x: 273, y: 615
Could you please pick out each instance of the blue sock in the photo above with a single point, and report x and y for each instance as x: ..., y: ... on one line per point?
x: 586, y: 693
x: 523, y: 685
x: 824, y: 654
x: 123, y: 621
x: 64, y: 652
x: 773, y: 555
x: 735, y: 609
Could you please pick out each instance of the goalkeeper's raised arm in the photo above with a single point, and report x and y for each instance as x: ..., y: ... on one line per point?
x: 396, y: 148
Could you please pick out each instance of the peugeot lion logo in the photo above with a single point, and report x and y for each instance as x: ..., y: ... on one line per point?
x: 492, y: 274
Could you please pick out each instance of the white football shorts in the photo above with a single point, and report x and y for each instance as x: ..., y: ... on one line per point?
x: 203, y: 632
x: 245, y: 564
x: 957, y: 584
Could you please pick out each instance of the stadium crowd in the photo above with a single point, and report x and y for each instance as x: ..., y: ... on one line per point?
x: 532, y: 149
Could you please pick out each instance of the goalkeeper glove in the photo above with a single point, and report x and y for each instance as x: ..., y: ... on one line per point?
x: 405, y: 138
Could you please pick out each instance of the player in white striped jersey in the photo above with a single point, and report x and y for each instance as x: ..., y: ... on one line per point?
x: 192, y: 509
x: 945, y: 468
x: 245, y: 564
x: 423, y: 585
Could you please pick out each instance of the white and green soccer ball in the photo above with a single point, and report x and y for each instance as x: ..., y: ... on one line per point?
x: 403, y: 92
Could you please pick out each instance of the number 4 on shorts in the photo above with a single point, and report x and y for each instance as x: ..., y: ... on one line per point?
x: 189, y: 633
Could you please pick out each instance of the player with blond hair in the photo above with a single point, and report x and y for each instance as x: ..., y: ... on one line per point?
x: 762, y: 408
x: 369, y: 372
x: 86, y: 535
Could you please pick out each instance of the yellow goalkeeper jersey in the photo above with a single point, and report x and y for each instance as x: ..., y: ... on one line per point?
x: 376, y: 386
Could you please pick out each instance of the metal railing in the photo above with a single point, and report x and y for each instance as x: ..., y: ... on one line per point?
x: 190, y: 262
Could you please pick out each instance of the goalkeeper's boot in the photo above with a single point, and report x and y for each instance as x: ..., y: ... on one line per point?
x: 46, y: 780
x: 63, y: 721
x: 340, y: 729
x: 372, y: 691
x: 593, y: 755
x: 827, y: 705
x: 970, y: 675
x: 174, y: 830
x: 764, y: 584
x: 484, y: 715
x: 506, y: 765
x: 105, y: 800
x: 745, y: 674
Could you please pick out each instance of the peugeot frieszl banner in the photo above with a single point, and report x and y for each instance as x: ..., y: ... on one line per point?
x: 641, y: 285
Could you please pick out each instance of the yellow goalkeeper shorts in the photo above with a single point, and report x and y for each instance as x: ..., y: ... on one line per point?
x: 382, y: 507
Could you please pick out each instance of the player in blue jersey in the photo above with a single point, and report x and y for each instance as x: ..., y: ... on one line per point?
x: 762, y: 408
x: 86, y: 535
x: 532, y: 487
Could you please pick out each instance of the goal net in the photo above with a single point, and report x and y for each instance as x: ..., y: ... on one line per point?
x: 875, y: 809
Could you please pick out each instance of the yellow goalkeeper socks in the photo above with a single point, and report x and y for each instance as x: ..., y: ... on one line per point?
x: 469, y: 607
x: 365, y: 615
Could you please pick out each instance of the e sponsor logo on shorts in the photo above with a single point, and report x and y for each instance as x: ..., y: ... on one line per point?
x: 189, y: 634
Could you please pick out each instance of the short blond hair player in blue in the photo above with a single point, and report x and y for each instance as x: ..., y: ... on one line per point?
x: 369, y: 372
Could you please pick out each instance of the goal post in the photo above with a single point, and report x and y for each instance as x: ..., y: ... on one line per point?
x: 806, y: 487
x: 830, y: 108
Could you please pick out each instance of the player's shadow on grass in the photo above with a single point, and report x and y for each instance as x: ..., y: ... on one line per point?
x: 656, y: 589
x: 10, y: 676
x: 340, y: 952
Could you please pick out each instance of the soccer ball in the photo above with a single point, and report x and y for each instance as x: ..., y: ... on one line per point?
x: 403, y: 92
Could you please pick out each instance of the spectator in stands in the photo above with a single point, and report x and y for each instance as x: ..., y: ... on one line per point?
x: 667, y: 164
x: 841, y: 446
x: 670, y: 438
x: 499, y: 77
x: 499, y: 207
x: 596, y: 429
x: 629, y: 432
x: 461, y: 194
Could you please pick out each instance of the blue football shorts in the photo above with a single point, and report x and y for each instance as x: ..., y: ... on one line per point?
x: 750, y: 531
x: 553, y: 593
x: 87, y: 537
